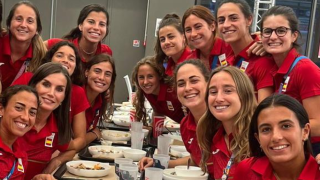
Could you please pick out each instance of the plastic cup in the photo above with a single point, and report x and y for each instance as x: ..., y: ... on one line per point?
x: 163, y: 158
x: 119, y: 161
x: 136, y: 126
x: 163, y: 144
x: 158, y: 125
x: 152, y: 173
x: 137, y: 139
x: 128, y: 172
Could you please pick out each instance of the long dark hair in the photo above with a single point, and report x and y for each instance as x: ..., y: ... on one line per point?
x: 278, y: 100
x: 76, y: 33
x: 105, y: 105
x: 77, y: 77
x: 62, y: 112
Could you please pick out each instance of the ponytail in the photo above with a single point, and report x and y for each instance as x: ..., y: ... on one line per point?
x: 39, y: 52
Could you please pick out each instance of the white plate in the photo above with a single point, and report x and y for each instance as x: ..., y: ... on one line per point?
x: 116, y: 113
x: 175, y: 136
x: 88, y: 173
x: 105, y: 152
x: 169, y: 174
x: 124, y: 108
x: 177, y: 150
x: 111, y: 135
x: 171, y: 125
x: 122, y: 120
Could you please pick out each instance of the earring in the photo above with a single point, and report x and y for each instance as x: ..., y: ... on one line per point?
x: 0, y: 116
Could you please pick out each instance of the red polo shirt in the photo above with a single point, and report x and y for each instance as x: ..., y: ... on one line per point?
x: 40, y: 146
x: 166, y: 103
x: 304, y: 78
x: 7, y: 158
x: 10, y: 69
x: 79, y: 101
x: 93, y: 113
x: 261, y: 169
x: 188, y: 133
x: 256, y: 67
x: 172, y: 65
x: 219, y: 47
x: 220, y: 154
x: 101, y: 48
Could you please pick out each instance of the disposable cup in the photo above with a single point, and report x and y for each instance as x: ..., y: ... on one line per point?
x: 137, y: 139
x: 152, y: 173
x: 136, y: 126
x: 119, y: 161
x: 157, y: 125
x: 128, y: 172
x: 163, y: 158
x: 163, y: 144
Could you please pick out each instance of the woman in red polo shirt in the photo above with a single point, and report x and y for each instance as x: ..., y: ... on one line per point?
x: 100, y: 76
x: 52, y: 130
x: 234, y: 21
x: 223, y: 131
x: 191, y: 77
x: 18, y: 110
x: 279, y: 142
x: 293, y: 74
x: 65, y: 53
x: 171, y: 47
x: 22, y: 48
x: 152, y: 84
x: 93, y: 27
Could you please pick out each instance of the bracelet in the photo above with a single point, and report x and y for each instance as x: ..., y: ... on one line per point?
x: 95, y: 134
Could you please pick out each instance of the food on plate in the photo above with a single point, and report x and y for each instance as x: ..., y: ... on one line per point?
x: 95, y: 167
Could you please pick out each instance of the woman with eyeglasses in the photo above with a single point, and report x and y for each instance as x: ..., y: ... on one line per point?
x: 293, y: 74
x: 234, y: 19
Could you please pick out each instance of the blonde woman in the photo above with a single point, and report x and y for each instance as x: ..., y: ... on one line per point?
x: 222, y: 132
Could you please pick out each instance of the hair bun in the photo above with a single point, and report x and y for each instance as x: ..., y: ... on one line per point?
x: 171, y: 16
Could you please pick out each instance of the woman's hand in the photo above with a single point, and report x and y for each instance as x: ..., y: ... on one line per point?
x: 144, y: 163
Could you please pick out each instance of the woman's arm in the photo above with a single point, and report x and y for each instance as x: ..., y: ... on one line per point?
x: 79, y: 129
x: 57, y: 161
x: 93, y: 135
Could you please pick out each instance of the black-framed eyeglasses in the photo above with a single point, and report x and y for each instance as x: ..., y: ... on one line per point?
x: 280, y: 31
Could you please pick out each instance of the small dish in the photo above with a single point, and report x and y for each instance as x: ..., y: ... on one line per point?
x: 112, y: 135
x: 106, y: 152
x: 86, y: 168
x: 134, y: 154
x: 170, y: 174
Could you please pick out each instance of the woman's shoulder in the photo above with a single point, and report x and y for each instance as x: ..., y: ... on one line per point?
x: 106, y: 49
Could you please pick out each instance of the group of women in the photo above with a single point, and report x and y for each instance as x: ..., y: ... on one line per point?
x: 54, y: 93
x: 222, y: 126
x: 224, y: 129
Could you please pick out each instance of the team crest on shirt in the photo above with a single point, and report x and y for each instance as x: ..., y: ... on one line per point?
x: 49, y: 140
x: 244, y: 66
x: 20, y: 165
x: 285, y: 85
x: 190, y: 141
x: 223, y: 60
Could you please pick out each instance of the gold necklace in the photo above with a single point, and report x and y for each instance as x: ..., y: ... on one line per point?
x: 88, y: 53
